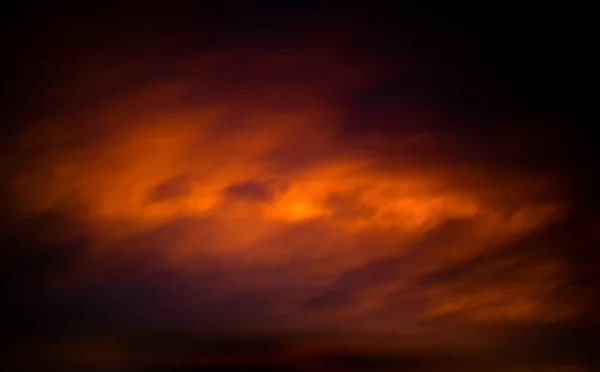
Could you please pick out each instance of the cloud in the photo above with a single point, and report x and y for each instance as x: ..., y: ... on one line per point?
x: 277, y: 189
x: 174, y: 188
x: 249, y: 191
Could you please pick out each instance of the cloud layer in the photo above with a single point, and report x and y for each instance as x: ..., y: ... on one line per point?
x: 262, y: 187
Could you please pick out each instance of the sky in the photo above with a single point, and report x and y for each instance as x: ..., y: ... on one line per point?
x: 266, y: 184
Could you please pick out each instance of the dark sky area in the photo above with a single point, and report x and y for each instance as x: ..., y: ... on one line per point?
x: 298, y: 186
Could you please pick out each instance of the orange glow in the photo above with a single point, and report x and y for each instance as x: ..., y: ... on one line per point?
x: 259, y: 179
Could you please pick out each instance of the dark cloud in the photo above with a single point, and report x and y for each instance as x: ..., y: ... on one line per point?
x: 36, y: 257
x: 253, y: 191
x: 174, y: 188
x: 349, y: 288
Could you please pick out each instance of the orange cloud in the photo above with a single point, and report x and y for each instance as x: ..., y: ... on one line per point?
x: 244, y: 163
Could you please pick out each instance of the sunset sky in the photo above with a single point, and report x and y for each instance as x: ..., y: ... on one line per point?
x: 357, y: 180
